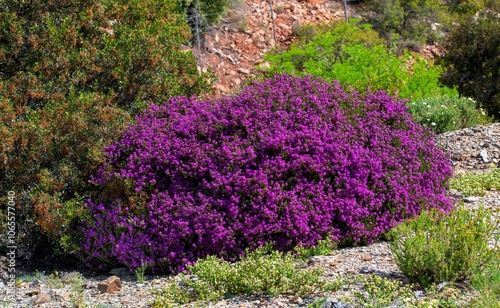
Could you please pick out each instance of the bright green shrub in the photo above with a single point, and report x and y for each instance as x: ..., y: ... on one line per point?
x: 354, y: 56
x: 446, y: 113
x: 472, y: 60
x: 436, y: 247
x: 70, y: 77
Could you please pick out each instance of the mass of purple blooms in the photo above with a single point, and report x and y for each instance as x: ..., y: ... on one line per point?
x: 288, y: 161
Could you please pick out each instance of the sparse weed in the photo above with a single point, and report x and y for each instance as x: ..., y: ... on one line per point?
x: 77, y: 297
x: 139, y: 272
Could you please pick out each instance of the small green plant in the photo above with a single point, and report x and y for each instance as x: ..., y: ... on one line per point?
x: 487, y: 282
x: 436, y: 247
x: 139, y: 272
x: 355, y: 55
x: 263, y: 270
x: 446, y: 113
x: 476, y: 184
x: 380, y: 292
x: 377, y: 291
x: 324, y: 247
x: 77, y: 296
x: 243, y: 26
x: 319, y: 303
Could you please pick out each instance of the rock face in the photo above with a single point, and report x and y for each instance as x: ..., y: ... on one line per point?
x: 235, y: 47
x: 111, y: 285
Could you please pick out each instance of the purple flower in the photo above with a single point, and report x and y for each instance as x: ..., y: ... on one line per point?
x: 289, y: 161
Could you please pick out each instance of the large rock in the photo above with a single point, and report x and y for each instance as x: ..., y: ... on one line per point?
x: 41, y: 299
x: 59, y: 295
x: 111, y: 285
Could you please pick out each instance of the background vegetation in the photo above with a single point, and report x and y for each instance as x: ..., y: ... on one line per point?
x: 71, y: 79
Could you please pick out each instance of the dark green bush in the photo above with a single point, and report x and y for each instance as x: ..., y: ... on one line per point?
x: 472, y: 60
x: 71, y: 76
x: 406, y: 21
x: 210, y: 10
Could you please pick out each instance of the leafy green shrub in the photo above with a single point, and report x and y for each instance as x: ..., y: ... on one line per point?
x: 406, y: 20
x: 472, y: 61
x: 438, y: 247
x: 71, y: 76
x: 465, y: 7
x: 446, y: 113
x: 476, y: 184
x: 262, y: 270
x: 355, y: 57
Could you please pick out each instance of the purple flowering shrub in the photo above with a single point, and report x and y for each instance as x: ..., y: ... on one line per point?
x: 288, y: 161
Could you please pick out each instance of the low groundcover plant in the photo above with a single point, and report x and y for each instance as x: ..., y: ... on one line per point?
x: 261, y: 271
x: 289, y: 161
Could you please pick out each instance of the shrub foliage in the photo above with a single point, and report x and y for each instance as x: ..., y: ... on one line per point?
x: 472, y: 59
x: 70, y: 76
x: 435, y: 248
x: 289, y: 161
x: 355, y: 56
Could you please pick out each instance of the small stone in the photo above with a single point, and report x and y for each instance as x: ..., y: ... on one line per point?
x: 298, y: 300
x: 366, y: 258
x: 59, y: 295
x: 484, y: 156
x: 471, y: 199
x: 41, y: 299
x: 334, y: 303
x: 32, y: 292
x: 111, y: 285
x: 365, y: 270
x: 244, y: 71
x: 140, y: 285
x: 156, y: 281
x: 419, y: 293
x: 319, y: 259
x: 35, y: 283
